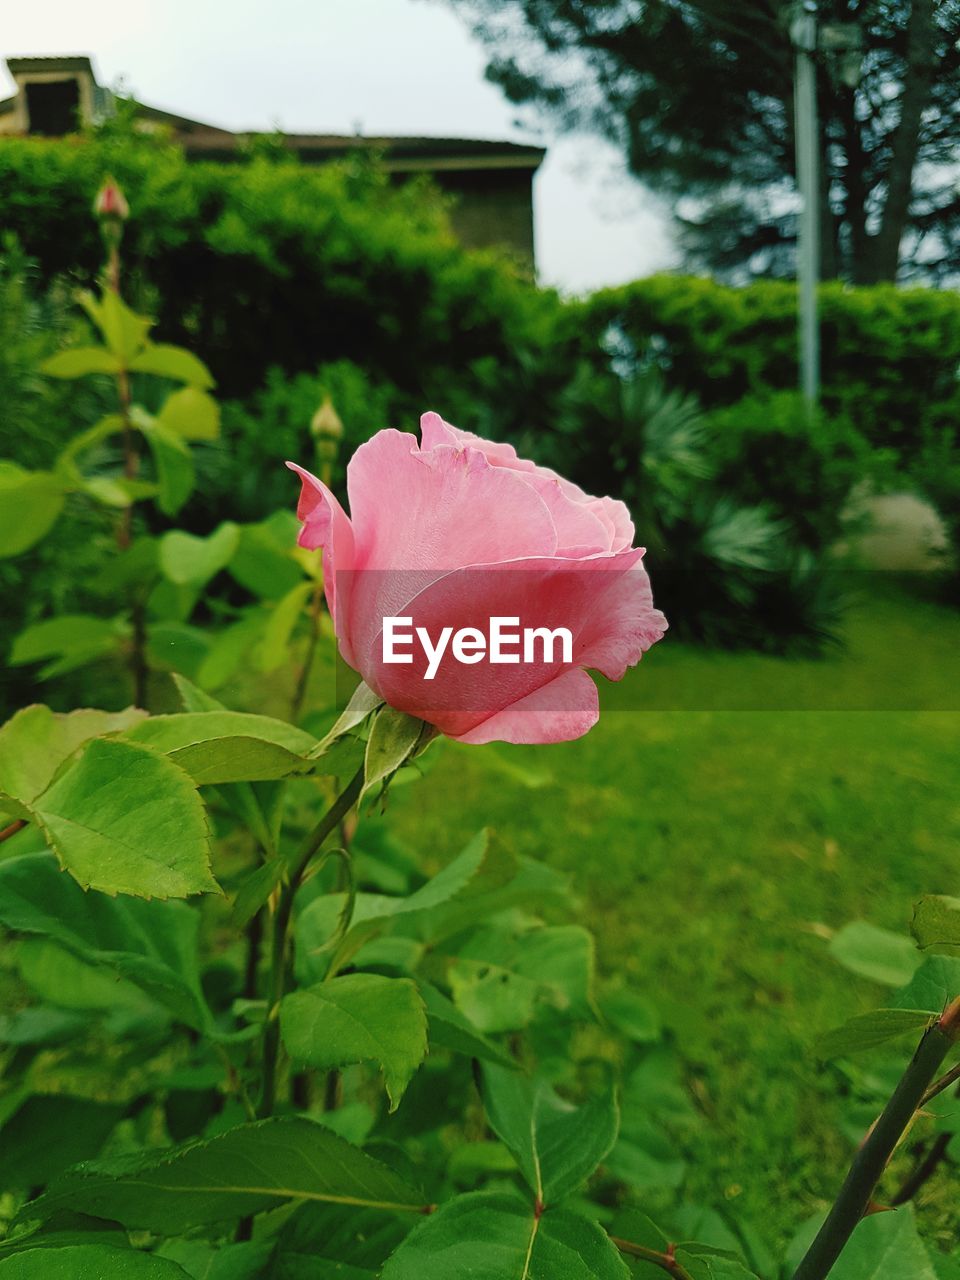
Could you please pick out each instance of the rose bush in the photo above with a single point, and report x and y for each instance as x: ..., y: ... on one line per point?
x: 455, y: 531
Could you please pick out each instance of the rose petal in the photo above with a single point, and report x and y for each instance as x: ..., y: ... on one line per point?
x: 582, y: 526
x: 327, y: 526
x: 443, y: 508
x: 566, y: 708
x: 604, y: 601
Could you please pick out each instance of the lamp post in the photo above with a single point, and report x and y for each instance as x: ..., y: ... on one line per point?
x: 803, y: 32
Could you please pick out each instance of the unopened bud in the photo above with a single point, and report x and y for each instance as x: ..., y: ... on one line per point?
x: 326, y: 424
x: 111, y: 203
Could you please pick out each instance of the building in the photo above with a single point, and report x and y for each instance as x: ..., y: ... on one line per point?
x: 491, y: 182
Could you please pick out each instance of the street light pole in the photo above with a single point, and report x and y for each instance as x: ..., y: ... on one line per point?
x: 804, y: 34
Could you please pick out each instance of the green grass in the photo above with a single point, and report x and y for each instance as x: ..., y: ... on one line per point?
x: 713, y: 848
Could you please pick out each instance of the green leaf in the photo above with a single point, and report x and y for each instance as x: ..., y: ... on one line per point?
x: 190, y: 414
x: 249, y: 1260
x: 174, y: 467
x: 123, y: 330
x: 362, y: 1017
x: 496, y: 1236
x: 110, y: 424
x: 256, y: 889
x: 936, y: 921
x: 933, y: 986
x: 229, y: 649
x: 228, y: 746
x: 649, y: 1165
x: 151, y: 944
x: 654, y: 1090
x: 633, y: 1015
x: 60, y: 1230
x: 393, y: 739
x: 363, y: 702
x: 867, y: 1030
x: 263, y: 563
x: 502, y: 981
x: 71, y: 640
x: 79, y: 361
x: 353, y: 1243
x: 55, y: 974
x: 473, y: 869
x: 885, y: 1246
x: 167, y: 361
x: 878, y: 954
x: 193, y: 698
x: 448, y: 1028
x: 86, y: 1261
x: 124, y: 819
x: 511, y: 883
x: 36, y: 742
x: 185, y: 558
x: 703, y: 1263
x: 30, y: 502
x: 275, y: 644
x: 47, y: 1134
x: 41, y: 1025
x: 116, y: 491
x: 557, y: 1146
x: 246, y: 1170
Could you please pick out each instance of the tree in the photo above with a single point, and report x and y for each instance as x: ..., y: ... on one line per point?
x: 699, y: 95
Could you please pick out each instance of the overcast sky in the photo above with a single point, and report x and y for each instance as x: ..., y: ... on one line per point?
x: 331, y: 66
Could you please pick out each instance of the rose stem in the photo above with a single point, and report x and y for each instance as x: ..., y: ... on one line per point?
x: 281, y: 928
x: 878, y: 1146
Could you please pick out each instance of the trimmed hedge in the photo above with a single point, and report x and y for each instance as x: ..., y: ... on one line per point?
x: 266, y: 262
x: 890, y: 356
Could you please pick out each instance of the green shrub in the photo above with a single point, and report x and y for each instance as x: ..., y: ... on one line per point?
x: 273, y: 425
x: 936, y: 475
x: 265, y: 263
x: 890, y: 356
x: 769, y: 449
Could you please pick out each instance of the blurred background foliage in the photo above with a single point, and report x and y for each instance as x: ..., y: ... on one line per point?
x: 674, y: 392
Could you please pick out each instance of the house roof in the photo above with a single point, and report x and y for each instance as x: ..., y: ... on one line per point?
x: 406, y: 154
x: 74, y: 62
x: 398, y: 154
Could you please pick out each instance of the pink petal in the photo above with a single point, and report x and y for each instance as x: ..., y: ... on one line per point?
x: 623, y: 628
x: 435, y: 431
x: 326, y: 525
x: 566, y: 708
x: 604, y: 601
x: 444, y: 508
x: 584, y: 524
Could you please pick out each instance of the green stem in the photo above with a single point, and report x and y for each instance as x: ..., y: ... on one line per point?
x: 281, y: 929
x: 131, y: 466
x: 666, y: 1261
x: 938, y: 1086
x: 878, y: 1146
x: 303, y: 679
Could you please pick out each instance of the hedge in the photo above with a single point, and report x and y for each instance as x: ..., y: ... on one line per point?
x: 890, y: 356
x: 266, y: 262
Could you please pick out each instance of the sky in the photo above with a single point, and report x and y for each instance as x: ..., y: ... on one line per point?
x: 335, y: 66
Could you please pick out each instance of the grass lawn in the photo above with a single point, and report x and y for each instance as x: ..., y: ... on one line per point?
x: 713, y: 848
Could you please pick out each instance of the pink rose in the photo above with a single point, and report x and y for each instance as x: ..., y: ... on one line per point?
x: 453, y: 538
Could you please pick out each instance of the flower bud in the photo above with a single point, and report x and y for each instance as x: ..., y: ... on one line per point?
x: 326, y: 424
x: 110, y: 202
